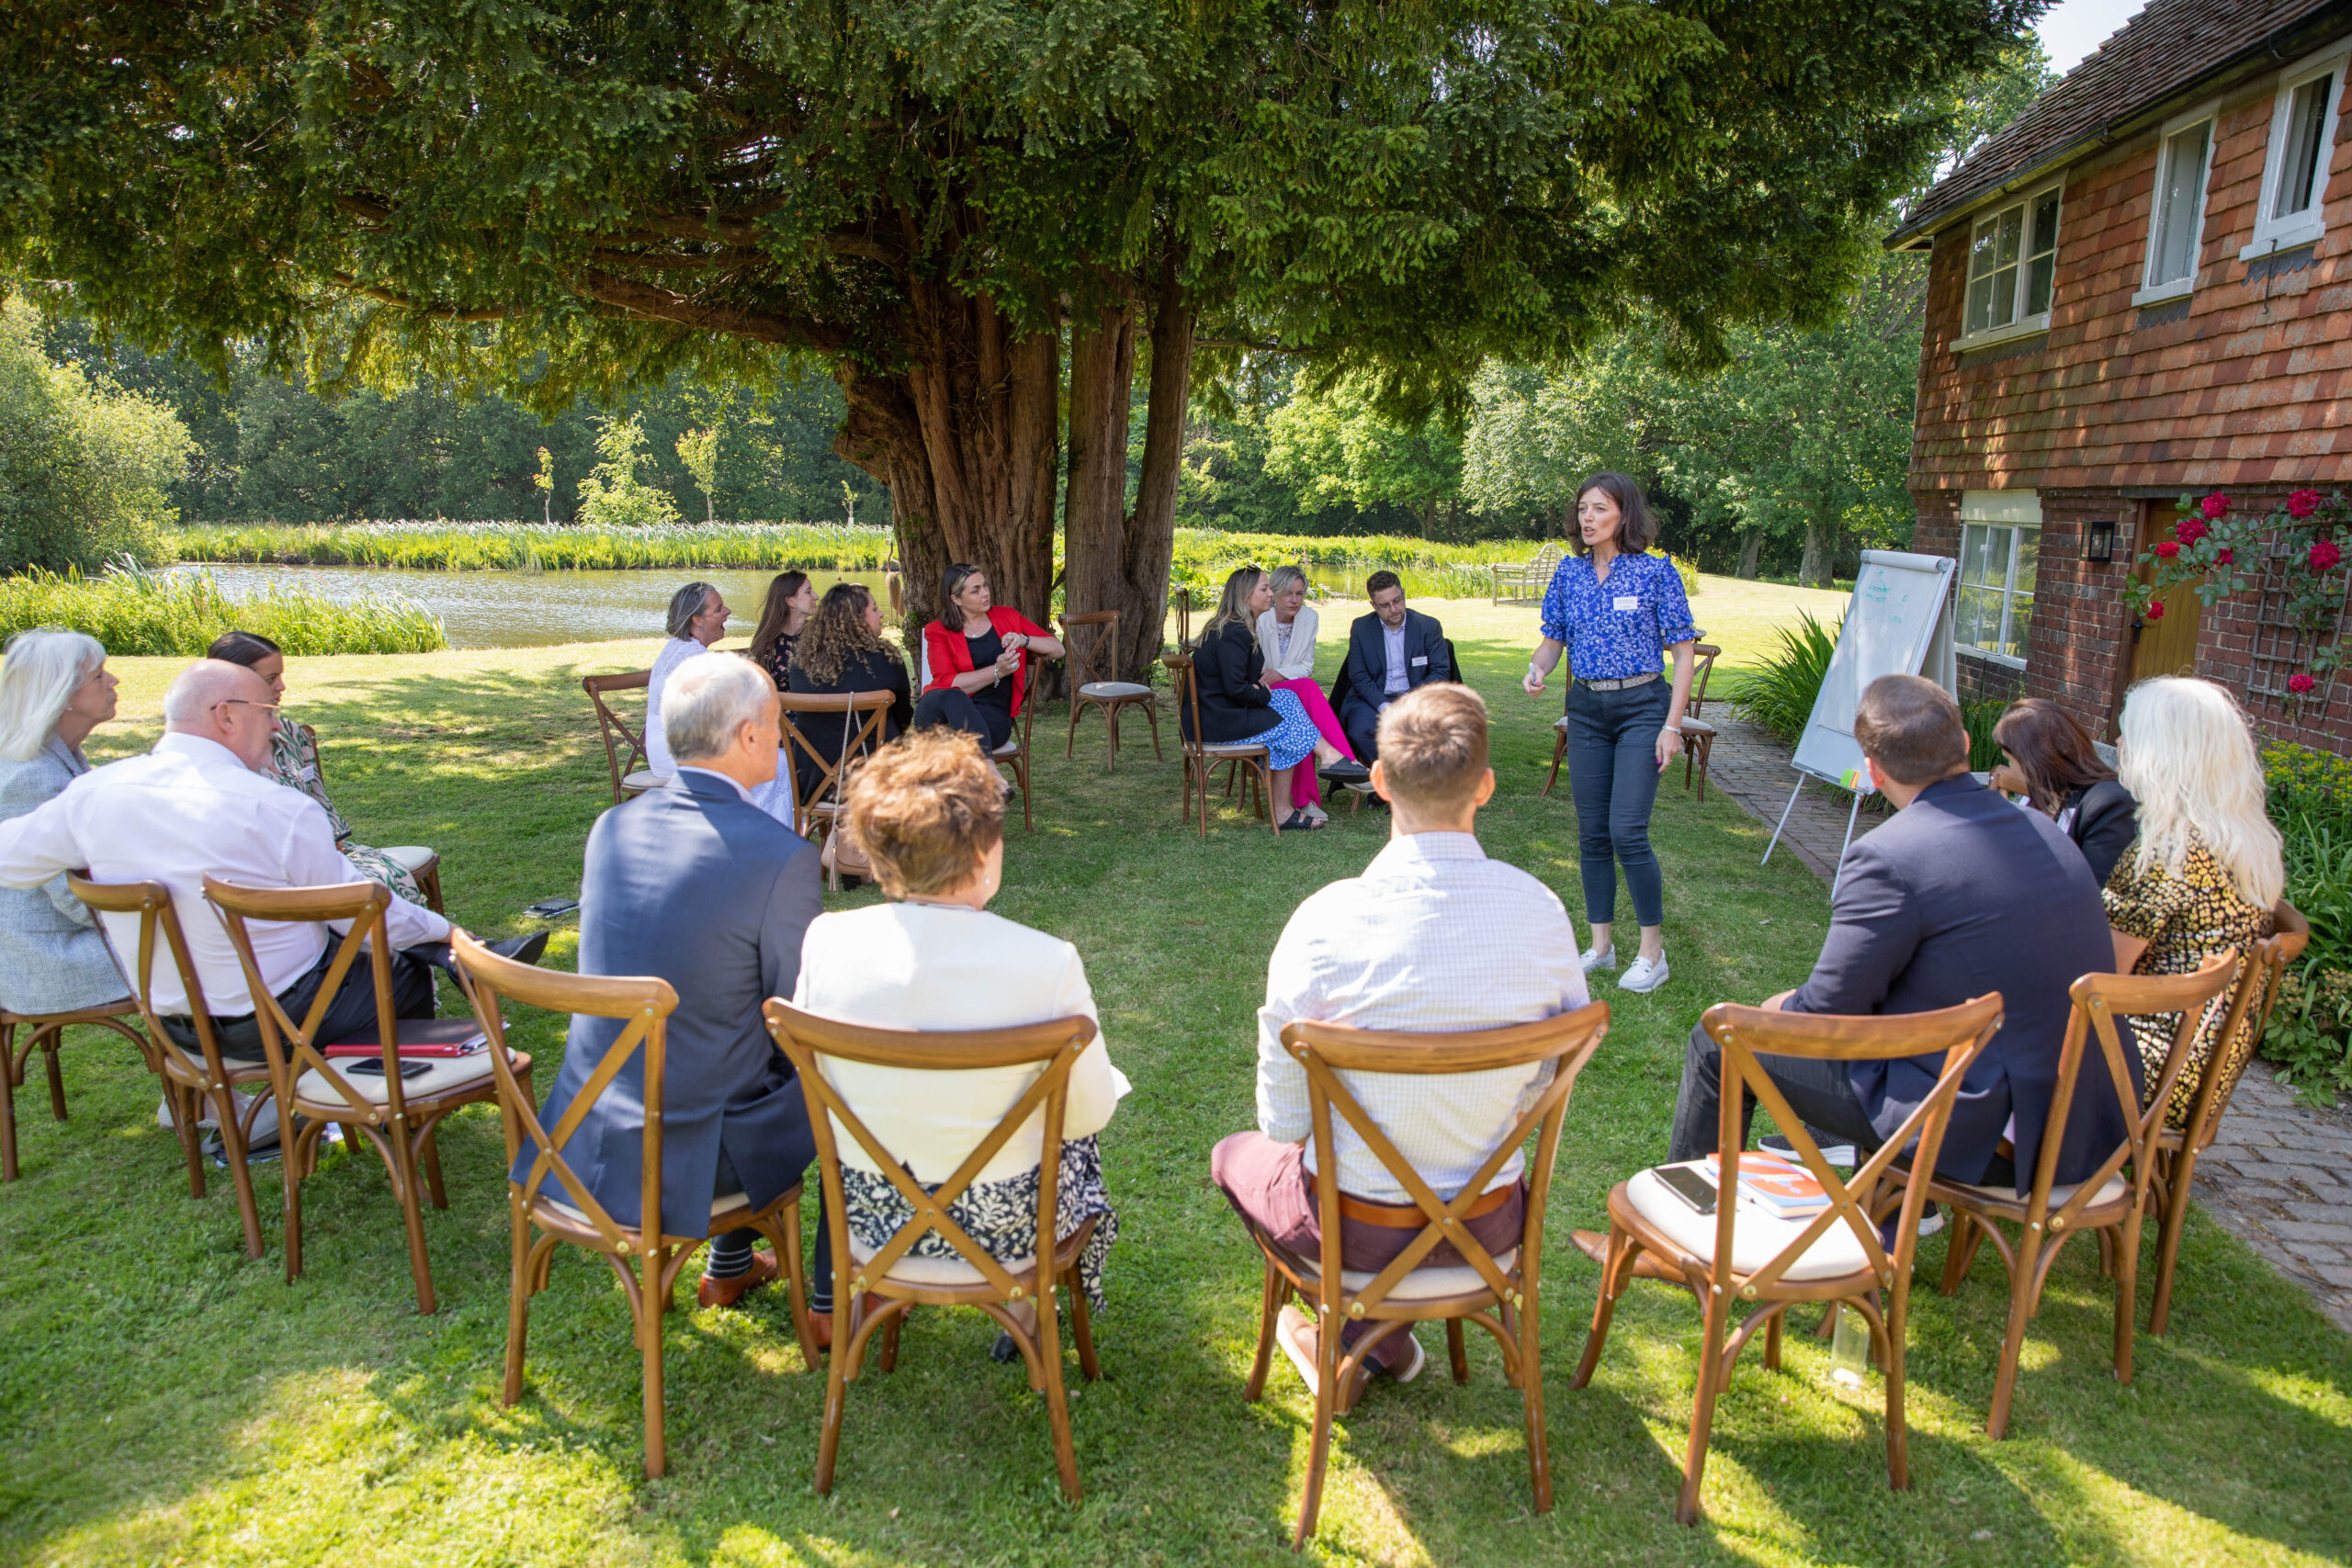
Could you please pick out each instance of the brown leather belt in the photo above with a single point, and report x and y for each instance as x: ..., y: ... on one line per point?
x: 1409, y: 1216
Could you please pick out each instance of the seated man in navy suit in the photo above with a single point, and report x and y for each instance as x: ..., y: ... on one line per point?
x: 1390, y: 652
x: 694, y: 883
x: 1959, y: 894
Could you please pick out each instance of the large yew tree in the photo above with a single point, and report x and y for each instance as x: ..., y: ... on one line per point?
x: 984, y: 218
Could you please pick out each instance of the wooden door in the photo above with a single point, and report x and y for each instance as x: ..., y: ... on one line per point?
x: 2167, y: 645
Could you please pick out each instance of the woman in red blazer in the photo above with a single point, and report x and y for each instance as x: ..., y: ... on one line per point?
x: 979, y: 659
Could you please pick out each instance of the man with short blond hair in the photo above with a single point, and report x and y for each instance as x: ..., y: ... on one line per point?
x: 1433, y: 938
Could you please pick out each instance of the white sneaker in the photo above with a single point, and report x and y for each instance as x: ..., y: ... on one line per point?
x: 1643, y: 975
x: 1594, y: 958
x: 1316, y: 813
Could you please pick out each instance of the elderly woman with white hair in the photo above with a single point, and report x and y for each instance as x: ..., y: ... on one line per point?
x: 2207, y: 870
x: 54, y: 690
x: 697, y: 618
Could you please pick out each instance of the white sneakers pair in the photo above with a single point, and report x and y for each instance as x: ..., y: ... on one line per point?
x: 1641, y: 974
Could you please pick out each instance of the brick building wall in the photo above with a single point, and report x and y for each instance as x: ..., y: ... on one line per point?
x: 2244, y: 386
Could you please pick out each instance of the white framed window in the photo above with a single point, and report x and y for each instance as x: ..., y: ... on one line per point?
x: 2303, y: 144
x: 2177, y: 209
x: 2012, y: 267
x: 2000, y: 548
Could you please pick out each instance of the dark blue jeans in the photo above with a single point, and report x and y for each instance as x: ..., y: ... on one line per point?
x: 1612, y: 768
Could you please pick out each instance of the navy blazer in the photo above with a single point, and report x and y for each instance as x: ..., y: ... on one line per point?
x: 1368, y: 657
x: 1962, y: 894
x: 1226, y: 671
x: 714, y: 896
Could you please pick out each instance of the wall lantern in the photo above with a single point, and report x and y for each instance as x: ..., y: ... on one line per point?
x: 2098, y: 543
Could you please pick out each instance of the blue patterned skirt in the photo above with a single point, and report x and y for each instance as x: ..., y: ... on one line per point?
x: 1293, y: 740
x: 1000, y: 1215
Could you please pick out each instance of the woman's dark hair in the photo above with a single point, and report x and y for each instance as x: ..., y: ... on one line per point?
x: 950, y: 581
x: 1636, y: 526
x: 2052, y: 751
x: 247, y: 649
x: 776, y: 612
x: 836, y: 633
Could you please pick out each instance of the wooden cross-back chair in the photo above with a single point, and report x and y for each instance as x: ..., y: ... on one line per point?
x: 1016, y: 750
x: 1183, y: 620
x: 1501, y: 1293
x: 1202, y: 757
x: 1092, y: 684
x: 2113, y: 1200
x: 44, y: 1033
x: 421, y: 862
x: 1743, y: 1253
x: 206, y: 1077
x: 857, y: 718
x: 2178, y: 1148
x: 895, y: 1282
x: 1698, y: 735
x: 400, y: 1117
x: 625, y: 753
x: 641, y: 1253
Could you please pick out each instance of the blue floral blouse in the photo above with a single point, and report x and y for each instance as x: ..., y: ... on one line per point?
x: 1622, y: 628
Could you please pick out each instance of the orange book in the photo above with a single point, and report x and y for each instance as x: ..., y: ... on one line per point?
x: 1786, y: 1189
x: 422, y: 1038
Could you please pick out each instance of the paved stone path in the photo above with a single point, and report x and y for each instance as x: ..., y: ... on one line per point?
x: 2279, y: 1179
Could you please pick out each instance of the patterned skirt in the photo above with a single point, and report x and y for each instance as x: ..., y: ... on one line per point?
x: 377, y: 866
x: 1293, y: 740
x: 1000, y: 1215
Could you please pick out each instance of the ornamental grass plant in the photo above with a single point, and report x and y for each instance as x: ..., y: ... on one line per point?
x: 1778, y: 693
x: 133, y: 611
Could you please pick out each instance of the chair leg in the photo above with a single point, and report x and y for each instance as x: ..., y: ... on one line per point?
x: 291, y: 1173
x: 1028, y: 812
x: 9, y: 1078
x: 1702, y: 1411
x: 648, y: 1330
x: 1605, y: 1306
x: 889, y: 1336
x: 1531, y: 1370
x: 1706, y: 759
x: 1069, y: 748
x: 1050, y: 1353
x: 829, y: 1433
x: 795, y: 1281
x: 429, y: 1156
x: 1559, y: 749
x: 2021, y: 1303
x: 1270, y: 1306
x: 1081, y: 1328
x: 1457, y: 1354
x: 1151, y: 715
x: 240, y: 1176
x: 1898, y: 1431
x: 2127, y: 1292
x: 1110, y: 718
x: 2168, y: 1231
x: 1319, y: 1452
x: 184, y: 1101
x: 48, y: 1038
x: 518, y: 1298
x: 1959, y: 1251
x: 1772, y: 1341
x: 405, y: 1159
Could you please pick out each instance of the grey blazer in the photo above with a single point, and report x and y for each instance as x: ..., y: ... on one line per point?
x: 52, y: 957
x: 714, y: 896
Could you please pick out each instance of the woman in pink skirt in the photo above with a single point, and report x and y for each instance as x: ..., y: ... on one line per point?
x: 1286, y: 636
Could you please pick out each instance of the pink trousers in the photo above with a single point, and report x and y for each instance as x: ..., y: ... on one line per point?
x: 1306, y: 784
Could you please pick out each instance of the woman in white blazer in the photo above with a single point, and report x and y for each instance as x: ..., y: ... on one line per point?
x: 1286, y: 636
x: 930, y: 812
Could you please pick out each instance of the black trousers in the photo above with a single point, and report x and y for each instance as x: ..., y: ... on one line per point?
x: 956, y: 710
x: 352, y: 1012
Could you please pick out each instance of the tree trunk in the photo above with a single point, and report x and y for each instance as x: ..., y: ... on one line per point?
x: 964, y: 436
x: 1751, y: 546
x: 1812, y: 568
x: 1114, y: 559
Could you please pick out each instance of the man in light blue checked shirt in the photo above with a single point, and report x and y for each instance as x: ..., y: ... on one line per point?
x: 1410, y: 945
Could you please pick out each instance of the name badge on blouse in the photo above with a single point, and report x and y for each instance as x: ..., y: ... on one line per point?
x: 1628, y: 602
x: 307, y: 774
x: 1420, y: 660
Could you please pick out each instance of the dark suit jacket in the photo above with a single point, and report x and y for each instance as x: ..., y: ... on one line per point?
x: 1368, y: 657
x: 1226, y: 669
x: 1962, y: 894
x: 714, y: 896
x: 2105, y: 822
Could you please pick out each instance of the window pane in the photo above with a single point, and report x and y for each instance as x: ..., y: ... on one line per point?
x: 2045, y: 225
x: 2037, y: 285
x: 1997, y: 557
x: 2004, y: 296
x: 1972, y: 552
x: 2012, y: 235
x: 2029, y: 557
x: 1980, y: 247
x: 2020, y: 621
x: 1980, y: 304
x: 2042, y: 264
x: 2301, y: 162
x: 1978, y: 620
x: 2172, y: 249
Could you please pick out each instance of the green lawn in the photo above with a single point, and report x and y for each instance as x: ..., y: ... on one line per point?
x: 166, y: 1400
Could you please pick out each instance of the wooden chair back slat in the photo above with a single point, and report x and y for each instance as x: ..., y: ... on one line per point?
x: 857, y: 742
x: 293, y: 1049
x: 151, y: 902
x: 1706, y: 653
x: 1089, y: 656
x: 614, y: 729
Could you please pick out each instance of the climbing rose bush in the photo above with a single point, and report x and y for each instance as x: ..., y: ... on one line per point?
x: 2220, y: 550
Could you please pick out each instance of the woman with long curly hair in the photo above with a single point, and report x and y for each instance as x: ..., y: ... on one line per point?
x: 841, y: 650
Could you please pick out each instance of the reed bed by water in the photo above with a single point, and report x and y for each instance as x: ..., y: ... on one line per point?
x: 134, y: 612
x: 539, y: 547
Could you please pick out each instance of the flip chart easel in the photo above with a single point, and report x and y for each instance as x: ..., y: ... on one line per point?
x: 1898, y: 623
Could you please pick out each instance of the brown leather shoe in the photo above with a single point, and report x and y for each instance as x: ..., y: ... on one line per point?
x: 821, y: 1326
x: 726, y: 1292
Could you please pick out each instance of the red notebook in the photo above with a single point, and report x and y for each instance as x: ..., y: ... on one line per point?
x: 422, y: 1038
x: 1786, y: 1189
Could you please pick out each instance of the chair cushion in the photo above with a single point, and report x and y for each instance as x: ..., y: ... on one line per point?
x: 446, y: 1075
x: 643, y: 779
x: 2113, y: 1190
x: 940, y: 1273
x: 1561, y: 723
x: 1757, y: 1237
x: 411, y: 857
x: 1108, y: 690
x: 1234, y: 748
x: 579, y: 1217
x: 1421, y: 1284
x: 1009, y: 749
x: 1697, y: 726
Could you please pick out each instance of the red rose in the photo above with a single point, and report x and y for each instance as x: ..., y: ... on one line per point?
x: 2299, y: 684
x: 2155, y: 611
x: 2324, y: 555
x: 2224, y: 558
x: 2191, y: 530
x: 2215, y: 504
x: 2302, y: 504
x: 2169, y: 549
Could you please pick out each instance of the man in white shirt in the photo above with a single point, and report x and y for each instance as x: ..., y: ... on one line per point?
x: 1433, y: 938
x: 199, y: 803
x: 697, y: 618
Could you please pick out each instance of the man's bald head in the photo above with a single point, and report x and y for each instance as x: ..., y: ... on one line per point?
x: 226, y: 703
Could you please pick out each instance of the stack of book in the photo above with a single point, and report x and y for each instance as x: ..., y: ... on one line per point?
x: 422, y: 1038
x: 1782, y: 1189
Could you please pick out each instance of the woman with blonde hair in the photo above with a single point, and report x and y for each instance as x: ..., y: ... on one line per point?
x: 930, y: 818
x: 1237, y: 703
x: 1286, y: 638
x: 2207, y: 870
x: 54, y: 690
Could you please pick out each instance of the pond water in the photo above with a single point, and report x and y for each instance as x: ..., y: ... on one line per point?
x: 518, y: 609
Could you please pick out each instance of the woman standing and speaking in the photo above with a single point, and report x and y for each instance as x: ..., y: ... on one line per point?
x: 1613, y: 607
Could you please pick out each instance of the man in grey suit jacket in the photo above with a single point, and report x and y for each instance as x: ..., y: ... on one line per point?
x: 1959, y: 894
x: 1391, y: 651
x: 694, y: 883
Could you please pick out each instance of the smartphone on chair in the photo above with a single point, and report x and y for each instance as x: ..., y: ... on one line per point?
x: 1689, y: 1186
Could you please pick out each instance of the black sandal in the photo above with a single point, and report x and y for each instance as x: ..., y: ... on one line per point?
x: 1300, y: 822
